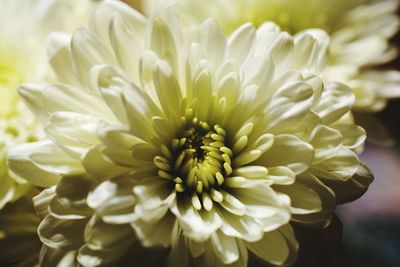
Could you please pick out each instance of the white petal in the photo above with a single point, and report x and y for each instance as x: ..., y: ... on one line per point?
x: 259, y: 199
x: 353, y: 188
x: 289, y: 151
x: 41, y: 163
x: 342, y: 166
x: 232, y: 204
x: 102, y: 236
x: 69, y: 203
x: 113, y: 200
x: 272, y: 248
x: 62, y: 234
x: 213, y: 42
x: 32, y: 96
x: 242, y: 227
x: 59, y: 57
x: 240, y: 42
x: 353, y: 135
x: 163, y: 43
x: 289, y: 105
x: 117, y: 136
x: 304, y: 200
x: 281, y: 50
x: 75, y: 132
x: 229, y: 87
x: 225, y: 247
x: 258, y: 69
x: 167, y: 88
x: 328, y: 200
x: 155, y: 233
x: 196, y: 248
x: 202, y: 91
x: 87, y: 50
x: 59, y: 97
x: 104, y: 13
x: 336, y: 101
x: 281, y: 175
x: 193, y: 224
x: 140, y: 109
x: 326, y: 142
x: 127, y: 46
x: 153, y: 191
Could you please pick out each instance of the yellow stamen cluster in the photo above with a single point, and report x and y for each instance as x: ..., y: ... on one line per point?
x: 197, y: 161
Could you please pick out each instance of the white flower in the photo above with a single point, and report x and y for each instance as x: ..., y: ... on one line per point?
x: 360, y: 31
x: 24, y: 26
x: 187, y: 140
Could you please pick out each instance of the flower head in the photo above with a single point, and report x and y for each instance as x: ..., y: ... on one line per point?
x: 354, y: 26
x: 185, y: 139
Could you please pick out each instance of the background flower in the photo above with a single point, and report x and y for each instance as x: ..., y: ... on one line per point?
x: 354, y: 26
x: 162, y: 135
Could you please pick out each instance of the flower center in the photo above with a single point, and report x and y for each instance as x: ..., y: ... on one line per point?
x: 197, y: 161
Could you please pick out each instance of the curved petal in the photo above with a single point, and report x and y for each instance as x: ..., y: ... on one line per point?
x: 326, y: 142
x: 225, y: 247
x: 87, y: 51
x: 212, y: 41
x: 272, y: 248
x: 259, y: 200
x: 343, y: 165
x: 155, y: 233
x: 195, y: 225
x: 304, y: 200
x: 336, y: 100
x: 289, y: 105
x: 59, y: 56
x: 41, y: 163
x: 352, y: 188
x: 102, y: 236
x: 243, y: 227
x: 163, y: 43
x: 56, y: 257
x: 240, y: 42
x: 62, y: 234
x: 74, y: 132
x: 70, y: 201
x: 289, y: 151
x: 353, y: 135
x: 113, y: 200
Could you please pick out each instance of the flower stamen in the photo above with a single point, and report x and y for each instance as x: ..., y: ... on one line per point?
x: 197, y: 161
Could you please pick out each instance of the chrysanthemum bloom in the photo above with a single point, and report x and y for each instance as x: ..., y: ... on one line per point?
x: 188, y: 140
x: 360, y: 31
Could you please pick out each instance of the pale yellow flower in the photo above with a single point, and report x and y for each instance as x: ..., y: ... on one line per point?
x: 360, y: 31
x: 185, y: 139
